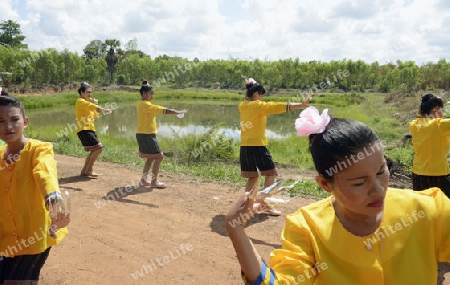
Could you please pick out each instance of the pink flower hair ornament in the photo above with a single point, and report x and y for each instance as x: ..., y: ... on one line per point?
x: 310, y: 121
x: 250, y: 81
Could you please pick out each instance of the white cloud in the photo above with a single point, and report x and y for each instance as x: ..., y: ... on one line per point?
x: 356, y: 9
x: 380, y: 30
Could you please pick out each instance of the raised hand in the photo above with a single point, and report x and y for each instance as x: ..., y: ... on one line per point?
x: 95, y: 101
x: 244, y: 208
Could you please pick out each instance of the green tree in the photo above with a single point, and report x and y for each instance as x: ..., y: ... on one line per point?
x: 131, y: 45
x: 11, y: 35
x: 111, y: 58
x: 94, y: 50
x: 46, y: 67
x: 409, y: 75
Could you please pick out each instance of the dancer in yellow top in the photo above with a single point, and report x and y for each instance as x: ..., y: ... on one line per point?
x: 146, y: 135
x: 28, y: 189
x: 86, y: 110
x: 254, y: 154
x: 431, y: 141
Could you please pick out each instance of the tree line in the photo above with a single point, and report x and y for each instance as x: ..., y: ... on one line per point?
x: 106, y: 62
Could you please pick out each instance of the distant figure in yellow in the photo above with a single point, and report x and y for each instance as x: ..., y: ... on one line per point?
x: 431, y: 141
x: 146, y: 135
x: 87, y: 109
x: 254, y: 154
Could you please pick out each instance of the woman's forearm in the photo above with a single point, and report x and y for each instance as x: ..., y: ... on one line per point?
x: 176, y: 112
x: 247, y: 254
x: 304, y: 104
x: 293, y: 106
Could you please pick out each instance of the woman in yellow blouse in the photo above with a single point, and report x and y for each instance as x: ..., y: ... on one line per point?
x: 86, y: 110
x: 146, y: 135
x: 431, y: 141
x: 364, y: 233
x: 28, y: 187
x: 255, y: 158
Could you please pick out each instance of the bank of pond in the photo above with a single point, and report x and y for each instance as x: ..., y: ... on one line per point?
x: 205, y: 143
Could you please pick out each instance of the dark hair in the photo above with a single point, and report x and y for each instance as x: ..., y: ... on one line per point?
x: 4, y: 93
x: 145, y: 87
x: 254, y: 87
x: 83, y: 87
x: 13, y: 102
x: 429, y: 102
x: 342, y: 138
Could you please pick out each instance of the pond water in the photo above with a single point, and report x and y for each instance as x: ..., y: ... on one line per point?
x: 200, y: 117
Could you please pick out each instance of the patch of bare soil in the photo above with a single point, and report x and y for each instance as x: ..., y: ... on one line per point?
x: 400, y: 176
x: 124, y: 234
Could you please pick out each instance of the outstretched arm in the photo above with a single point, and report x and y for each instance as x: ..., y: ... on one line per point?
x: 104, y: 110
x: 304, y: 104
x: 172, y: 111
x: 99, y: 108
x: 247, y: 254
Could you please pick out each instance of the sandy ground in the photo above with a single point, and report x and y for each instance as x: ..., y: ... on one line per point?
x: 124, y: 234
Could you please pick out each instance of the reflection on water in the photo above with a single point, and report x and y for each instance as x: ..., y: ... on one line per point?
x: 167, y: 130
x: 199, y: 118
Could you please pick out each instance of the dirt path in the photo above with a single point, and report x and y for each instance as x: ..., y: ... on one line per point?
x: 151, y: 236
x: 176, y: 233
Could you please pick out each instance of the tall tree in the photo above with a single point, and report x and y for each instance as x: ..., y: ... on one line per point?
x: 94, y: 50
x: 131, y: 45
x: 111, y: 58
x: 11, y: 35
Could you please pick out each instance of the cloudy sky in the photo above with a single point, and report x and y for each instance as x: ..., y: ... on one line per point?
x: 370, y: 30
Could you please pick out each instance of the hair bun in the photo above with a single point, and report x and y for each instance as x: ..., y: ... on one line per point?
x: 145, y: 82
x: 427, y: 97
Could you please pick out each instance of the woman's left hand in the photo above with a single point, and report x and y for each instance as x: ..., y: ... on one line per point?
x: 307, y: 100
x: 107, y: 111
x: 244, y: 208
x: 61, y: 220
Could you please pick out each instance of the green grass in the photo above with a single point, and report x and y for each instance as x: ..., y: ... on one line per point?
x: 44, y: 101
x: 404, y: 155
x: 69, y: 98
x: 292, y: 151
x: 307, y: 189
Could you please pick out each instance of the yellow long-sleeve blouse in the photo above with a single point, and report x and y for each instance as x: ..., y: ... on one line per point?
x: 146, y: 116
x: 253, y: 120
x: 85, y: 113
x: 431, y: 142
x: 25, y: 187
x: 317, y: 249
